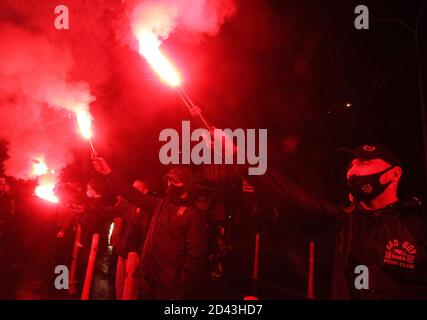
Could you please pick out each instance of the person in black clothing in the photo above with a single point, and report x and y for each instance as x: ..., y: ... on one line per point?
x: 378, y: 230
x: 94, y: 218
x: 6, y: 207
x: 7, y: 249
x: 129, y: 234
x: 72, y: 198
x: 174, y: 252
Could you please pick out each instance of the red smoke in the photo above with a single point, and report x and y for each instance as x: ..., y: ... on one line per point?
x: 41, y: 69
x: 153, y: 21
x: 163, y: 16
x: 38, y: 100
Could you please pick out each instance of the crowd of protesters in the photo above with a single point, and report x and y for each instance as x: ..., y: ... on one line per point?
x: 169, y: 230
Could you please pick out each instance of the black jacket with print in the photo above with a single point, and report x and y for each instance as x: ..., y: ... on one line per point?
x: 391, y: 243
x: 175, y: 247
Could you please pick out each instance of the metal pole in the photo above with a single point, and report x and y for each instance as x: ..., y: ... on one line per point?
x: 90, y: 268
x: 310, y: 284
x: 129, y: 286
x: 255, y: 269
x: 422, y: 108
x: 72, y: 288
x: 91, y: 146
x: 256, y: 257
x: 423, y: 113
x: 421, y: 88
x: 193, y: 108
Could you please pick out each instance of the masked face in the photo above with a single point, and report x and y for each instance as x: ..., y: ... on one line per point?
x: 367, y: 187
x: 175, y: 189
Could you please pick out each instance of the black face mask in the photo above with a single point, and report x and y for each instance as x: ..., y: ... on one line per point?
x: 174, y: 191
x: 366, y: 188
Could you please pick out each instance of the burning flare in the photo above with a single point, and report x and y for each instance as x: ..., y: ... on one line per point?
x: 153, y: 21
x: 84, y: 121
x: 39, y: 167
x: 149, y: 47
x: 46, y: 181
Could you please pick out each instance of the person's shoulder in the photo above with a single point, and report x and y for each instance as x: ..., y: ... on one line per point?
x: 412, y: 209
x: 412, y: 205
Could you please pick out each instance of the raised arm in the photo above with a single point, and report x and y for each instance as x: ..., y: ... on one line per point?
x: 279, y: 185
x: 287, y: 191
x: 145, y: 202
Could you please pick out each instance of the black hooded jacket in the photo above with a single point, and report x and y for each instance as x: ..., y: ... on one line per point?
x: 174, y: 251
x: 391, y: 243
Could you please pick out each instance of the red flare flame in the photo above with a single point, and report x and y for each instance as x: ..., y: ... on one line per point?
x: 149, y: 47
x: 46, y: 181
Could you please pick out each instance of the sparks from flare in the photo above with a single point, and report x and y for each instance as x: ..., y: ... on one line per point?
x: 149, y: 48
x: 84, y: 121
x: 39, y: 167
